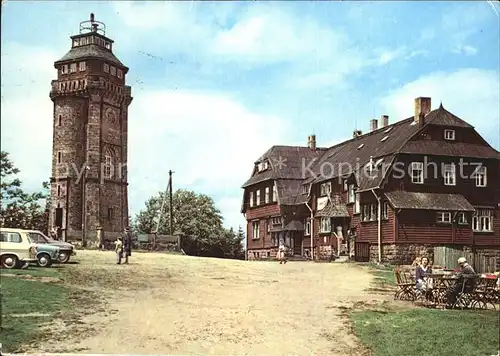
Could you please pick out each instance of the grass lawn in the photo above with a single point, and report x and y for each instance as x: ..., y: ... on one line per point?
x: 424, y: 331
x: 428, y: 332
x: 27, y: 304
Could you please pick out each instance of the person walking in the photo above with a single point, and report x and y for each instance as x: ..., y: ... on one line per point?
x: 118, y: 250
x: 281, y: 253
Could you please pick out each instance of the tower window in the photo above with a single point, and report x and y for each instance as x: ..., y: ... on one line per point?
x: 72, y: 68
x: 59, y: 120
x: 119, y: 73
x: 107, y: 166
x: 106, y: 68
x: 113, y: 71
x: 64, y: 69
x: 82, y: 66
x: 59, y: 157
x: 110, y: 213
x: 58, y: 190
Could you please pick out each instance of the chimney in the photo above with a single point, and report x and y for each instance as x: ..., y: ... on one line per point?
x: 311, y: 142
x: 356, y: 133
x: 384, y: 120
x: 422, y: 108
x: 373, y: 124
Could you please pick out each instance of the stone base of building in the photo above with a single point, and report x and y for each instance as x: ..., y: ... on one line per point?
x: 323, y: 253
x: 264, y: 254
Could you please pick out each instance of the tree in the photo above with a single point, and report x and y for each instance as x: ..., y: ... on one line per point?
x: 195, y: 217
x: 18, y: 208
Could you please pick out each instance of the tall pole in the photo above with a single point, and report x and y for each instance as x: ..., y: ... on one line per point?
x: 84, y: 210
x: 171, y: 204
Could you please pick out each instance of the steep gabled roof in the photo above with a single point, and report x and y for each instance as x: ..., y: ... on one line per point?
x: 90, y: 51
x: 285, y: 162
x: 428, y: 201
x: 443, y: 117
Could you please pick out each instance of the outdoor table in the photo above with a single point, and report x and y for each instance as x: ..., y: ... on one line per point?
x: 441, y: 283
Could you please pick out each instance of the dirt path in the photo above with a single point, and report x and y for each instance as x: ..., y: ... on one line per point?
x: 184, y: 305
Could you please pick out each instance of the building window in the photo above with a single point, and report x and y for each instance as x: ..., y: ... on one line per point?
x: 385, y: 210
x: 106, y: 68
x: 345, y: 185
x: 72, y: 68
x: 266, y: 197
x: 113, y: 71
x: 59, y: 157
x: 59, y: 120
x: 356, y: 203
x: 307, y: 225
x: 369, y: 212
x: 58, y: 190
x: 251, y: 199
x: 482, y: 220
x: 110, y: 214
x: 450, y: 177
x: 373, y: 212
x: 82, y: 66
x: 276, y: 220
x: 351, y: 195
x: 64, y: 69
x: 462, y: 219
x: 76, y: 42
x: 257, y: 195
x: 107, y: 166
x: 275, y: 194
x: 119, y: 72
x: 326, y: 224
x: 449, y: 135
x: 417, y: 172
x: 325, y: 188
x: 480, y: 176
x: 255, y: 230
x: 305, y: 188
x: 444, y: 217
x: 268, y: 225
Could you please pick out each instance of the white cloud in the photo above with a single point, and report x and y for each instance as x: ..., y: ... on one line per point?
x: 471, y: 94
x: 465, y: 49
x: 209, y: 140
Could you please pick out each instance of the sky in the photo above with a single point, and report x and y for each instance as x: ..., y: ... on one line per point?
x: 215, y: 84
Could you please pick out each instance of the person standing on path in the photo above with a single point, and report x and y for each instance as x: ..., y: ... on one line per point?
x: 119, y: 250
x: 281, y: 253
x: 127, y: 244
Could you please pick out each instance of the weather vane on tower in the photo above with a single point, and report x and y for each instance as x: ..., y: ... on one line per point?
x: 93, y: 26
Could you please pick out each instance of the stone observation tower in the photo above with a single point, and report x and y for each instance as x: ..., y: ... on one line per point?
x: 89, y: 152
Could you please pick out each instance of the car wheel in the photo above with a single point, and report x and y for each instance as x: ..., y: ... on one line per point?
x: 10, y: 261
x: 64, y: 257
x: 44, y: 260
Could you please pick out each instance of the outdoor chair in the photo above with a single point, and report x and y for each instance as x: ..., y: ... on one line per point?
x: 405, y: 285
x: 484, y: 293
x: 466, y: 295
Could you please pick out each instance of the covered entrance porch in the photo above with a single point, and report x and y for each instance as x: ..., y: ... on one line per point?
x: 292, y: 235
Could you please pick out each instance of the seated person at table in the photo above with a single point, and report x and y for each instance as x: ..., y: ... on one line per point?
x: 466, y: 270
x: 422, y: 273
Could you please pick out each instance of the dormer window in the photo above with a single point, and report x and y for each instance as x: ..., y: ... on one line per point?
x: 82, y: 66
x: 119, y: 73
x: 72, y: 68
x: 305, y: 188
x: 105, y: 68
x: 76, y: 42
x: 384, y: 138
x: 325, y: 188
x: 113, y: 71
x: 64, y: 69
x: 361, y: 146
x: 449, y: 135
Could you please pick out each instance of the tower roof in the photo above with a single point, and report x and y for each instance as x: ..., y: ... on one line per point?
x: 91, y: 42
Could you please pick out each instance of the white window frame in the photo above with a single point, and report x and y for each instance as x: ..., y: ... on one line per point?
x: 482, y: 220
x: 449, y: 135
x: 276, y: 220
x: 72, y: 68
x: 450, y: 174
x: 305, y: 188
x: 351, y: 197
x: 255, y: 230
x: 325, y: 188
x: 82, y: 66
x: 119, y: 73
x: 251, y: 199
x: 112, y: 70
x: 266, y: 198
x: 444, y: 217
x: 481, y: 176
x: 345, y: 185
x: 307, y: 229
x: 462, y: 219
x: 268, y: 225
x: 373, y: 212
x: 275, y: 193
x: 108, y: 162
x: 326, y: 224
x: 385, y: 210
x: 415, y: 167
x: 106, y: 68
x: 64, y: 69
x: 356, y: 204
x: 257, y: 196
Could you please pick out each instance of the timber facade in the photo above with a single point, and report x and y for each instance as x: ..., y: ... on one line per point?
x: 388, y: 195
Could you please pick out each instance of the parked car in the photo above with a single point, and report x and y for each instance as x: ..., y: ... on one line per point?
x: 18, y: 250
x: 66, y: 250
